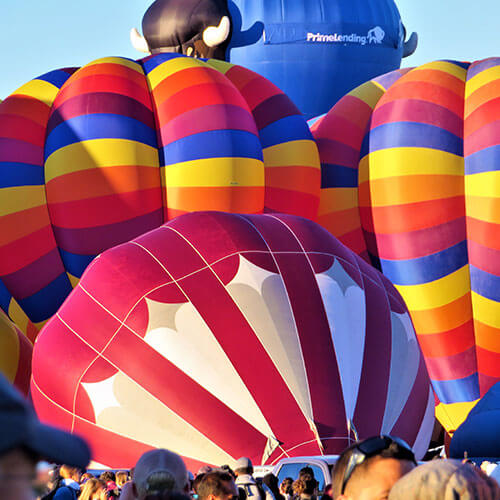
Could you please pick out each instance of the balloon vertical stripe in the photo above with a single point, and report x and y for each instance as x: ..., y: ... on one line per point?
x: 339, y: 137
x: 30, y: 264
x: 482, y: 196
x: 290, y: 155
x: 413, y: 167
x: 102, y: 171
x: 210, y: 154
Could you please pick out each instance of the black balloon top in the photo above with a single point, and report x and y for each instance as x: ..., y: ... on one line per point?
x: 178, y: 26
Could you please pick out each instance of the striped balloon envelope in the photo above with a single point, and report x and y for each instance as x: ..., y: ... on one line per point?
x: 429, y: 191
x: 93, y: 157
x: 339, y: 135
x: 220, y: 335
x: 15, y: 354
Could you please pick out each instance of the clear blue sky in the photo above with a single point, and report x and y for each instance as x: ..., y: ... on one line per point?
x: 37, y: 36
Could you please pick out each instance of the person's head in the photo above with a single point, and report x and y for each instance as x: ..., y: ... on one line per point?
x: 446, y: 479
x: 368, y: 469
x: 306, y: 471
x: 24, y: 441
x: 217, y: 485
x: 121, y: 478
x: 305, y: 486
x: 107, y: 476
x: 243, y: 466
x: 158, y: 472
x: 85, y: 477
x: 54, y: 477
x: 204, y: 469
x: 271, y: 481
x: 93, y: 489
x: 69, y: 472
x: 286, y: 486
x: 227, y: 468
x: 328, y: 491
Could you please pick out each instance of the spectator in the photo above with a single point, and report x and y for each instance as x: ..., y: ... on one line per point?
x: 286, y: 488
x: 327, y: 493
x: 304, y: 488
x: 204, y: 469
x: 217, y: 485
x: 228, y: 469
x: 42, y: 484
x: 368, y: 469
x: 24, y: 441
x: 70, y: 486
x: 109, y: 478
x: 121, y: 478
x: 93, y: 489
x: 85, y: 477
x: 306, y: 471
x: 271, y: 481
x: 247, y: 484
x: 443, y: 480
x: 160, y: 472
x: 54, y: 477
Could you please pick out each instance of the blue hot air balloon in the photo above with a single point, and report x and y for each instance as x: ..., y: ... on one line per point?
x: 318, y: 50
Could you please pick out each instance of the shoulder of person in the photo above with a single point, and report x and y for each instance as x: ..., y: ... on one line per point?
x: 65, y: 493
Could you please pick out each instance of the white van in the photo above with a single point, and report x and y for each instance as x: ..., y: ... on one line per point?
x: 322, y: 466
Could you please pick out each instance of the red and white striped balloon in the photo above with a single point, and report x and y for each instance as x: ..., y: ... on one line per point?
x: 221, y: 335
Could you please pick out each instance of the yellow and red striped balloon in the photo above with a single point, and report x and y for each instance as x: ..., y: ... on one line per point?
x: 425, y: 189
x: 93, y: 157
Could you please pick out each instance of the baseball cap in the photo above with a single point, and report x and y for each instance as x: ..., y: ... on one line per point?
x: 443, y: 480
x: 20, y: 427
x: 160, y: 470
x: 243, y: 463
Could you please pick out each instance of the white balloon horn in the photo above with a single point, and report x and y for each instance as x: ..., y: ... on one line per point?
x: 138, y: 41
x: 215, y: 35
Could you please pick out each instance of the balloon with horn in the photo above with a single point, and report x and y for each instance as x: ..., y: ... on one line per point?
x: 190, y: 27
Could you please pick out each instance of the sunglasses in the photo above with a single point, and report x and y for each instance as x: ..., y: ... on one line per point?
x: 371, y: 447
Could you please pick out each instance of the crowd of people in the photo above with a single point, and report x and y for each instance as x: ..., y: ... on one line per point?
x: 377, y: 468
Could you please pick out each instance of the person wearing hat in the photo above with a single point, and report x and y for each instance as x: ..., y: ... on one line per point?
x: 368, y: 469
x: 247, y: 484
x: 24, y: 440
x: 159, y: 472
x: 446, y: 480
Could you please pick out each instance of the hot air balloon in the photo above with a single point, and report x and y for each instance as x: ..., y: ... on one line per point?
x: 15, y: 354
x: 423, y: 206
x: 318, y: 51
x: 91, y: 158
x: 198, y: 28
x: 219, y: 335
x: 479, y: 435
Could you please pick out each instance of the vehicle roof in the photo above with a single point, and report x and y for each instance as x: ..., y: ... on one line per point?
x: 329, y: 459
